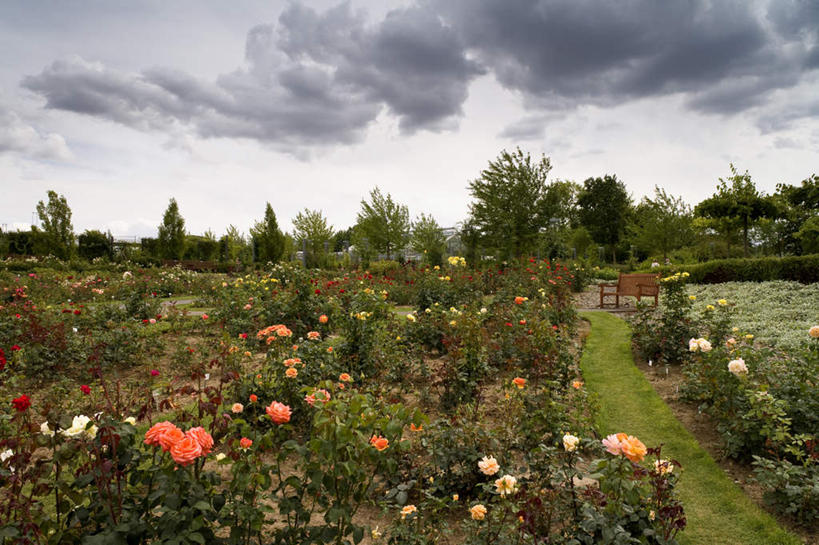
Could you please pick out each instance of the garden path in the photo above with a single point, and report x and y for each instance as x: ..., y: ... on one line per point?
x: 717, y: 510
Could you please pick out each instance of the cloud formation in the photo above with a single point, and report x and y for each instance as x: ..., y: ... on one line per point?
x: 18, y: 136
x: 321, y: 78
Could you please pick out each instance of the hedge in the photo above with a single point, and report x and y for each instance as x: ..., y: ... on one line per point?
x: 804, y: 269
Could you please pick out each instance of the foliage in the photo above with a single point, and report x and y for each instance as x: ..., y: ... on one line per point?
x: 604, y: 206
x: 381, y: 225
x: 312, y: 234
x: 662, y: 224
x: 428, y: 239
x: 171, y: 237
x: 55, y: 218
x: 267, y: 237
x: 94, y: 244
x: 510, y: 205
x: 804, y: 269
x: 740, y: 201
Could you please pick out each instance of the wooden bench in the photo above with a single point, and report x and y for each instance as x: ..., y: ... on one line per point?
x: 636, y: 285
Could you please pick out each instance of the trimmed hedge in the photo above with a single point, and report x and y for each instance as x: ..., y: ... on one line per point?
x: 804, y: 269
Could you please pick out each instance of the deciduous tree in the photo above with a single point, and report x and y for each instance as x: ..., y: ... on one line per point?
x: 55, y: 217
x: 428, y: 239
x: 604, y: 206
x: 384, y: 224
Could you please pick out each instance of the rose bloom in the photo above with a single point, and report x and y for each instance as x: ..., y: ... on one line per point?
x: 519, y: 382
x: 253, y: 398
x: 693, y: 345
x: 323, y: 319
x: 577, y: 384
x: 722, y: 302
x: 313, y: 335
x: 737, y: 367
x: 408, y: 510
x: 329, y: 349
x: 705, y: 346
x: 86, y: 389
x: 570, y: 442
x: 488, y: 465
x: 506, y: 485
x: 244, y: 443
x: 380, y: 443
x: 614, y: 443
x: 663, y: 467
x: 21, y: 403
x: 520, y: 300
x: 279, y: 413
x: 289, y: 362
x: 814, y: 332
x: 202, y: 437
x: 248, y: 306
x: 478, y: 512
x: 154, y: 373
x: 415, y: 428
x: 319, y: 395
x: 345, y: 377
x: 291, y: 372
x: 155, y: 436
x: 186, y: 450
x: 237, y: 408
x: 634, y: 449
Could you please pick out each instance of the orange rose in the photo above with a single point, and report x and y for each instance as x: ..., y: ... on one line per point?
x: 345, y: 377
x: 245, y: 443
x: 519, y: 382
x: 291, y: 372
x: 157, y: 430
x: 171, y: 436
x: 633, y: 449
x: 279, y: 413
x: 380, y: 443
x: 186, y: 450
x: 520, y: 300
x: 413, y: 427
x: 202, y: 437
x: 577, y: 384
x: 253, y: 398
x: 323, y: 319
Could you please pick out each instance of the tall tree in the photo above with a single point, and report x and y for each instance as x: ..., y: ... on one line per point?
x: 737, y: 199
x: 268, y: 239
x: 384, y: 223
x: 171, y: 237
x: 312, y: 232
x: 428, y: 239
x: 55, y: 218
x: 604, y: 206
x: 233, y: 244
x: 509, y: 207
x: 662, y: 224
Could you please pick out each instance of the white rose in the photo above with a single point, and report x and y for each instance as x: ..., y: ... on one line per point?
x: 130, y: 420
x: 738, y: 367
x: 45, y: 430
x: 570, y: 442
x: 78, y: 426
x: 705, y: 346
x: 693, y: 345
x: 6, y: 454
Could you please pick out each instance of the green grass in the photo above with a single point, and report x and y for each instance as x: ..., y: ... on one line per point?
x: 717, y: 510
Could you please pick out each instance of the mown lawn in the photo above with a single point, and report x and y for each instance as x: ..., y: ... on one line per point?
x: 718, y: 511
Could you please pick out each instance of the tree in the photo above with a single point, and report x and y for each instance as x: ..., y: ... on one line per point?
x: 93, y: 244
x: 233, y: 244
x: 55, y: 218
x: 311, y: 231
x: 509, y: 209
x: 268, y: 239
x: 797, y: 205
x: 662, y: 224
x: 384, y: 224
x: 739, y: 202
x: 341, y: 239
x: 604, y: 206
x: 428, y: 239
x: 171, y: 237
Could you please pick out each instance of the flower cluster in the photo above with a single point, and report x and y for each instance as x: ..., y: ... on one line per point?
x: 626, y: 445
x: 185, y: 447
x: 699, y: 344
x: 271, y: 333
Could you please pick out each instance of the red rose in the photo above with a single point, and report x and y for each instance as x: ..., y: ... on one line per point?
x: 21, y: 403
x: 85, y: 389
x: 77, y: 312
x: 15, y: 348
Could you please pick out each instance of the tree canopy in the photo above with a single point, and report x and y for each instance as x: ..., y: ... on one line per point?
x: 267, y: 238
x: 171, y: 237
x: 55, y: 217
x: 428, y: 239
x: 382, y: 224
x: 509, y: 207
x: 662, y: 224
x: 312, y: 232
x: 737, y: 199
x: 604, y: 206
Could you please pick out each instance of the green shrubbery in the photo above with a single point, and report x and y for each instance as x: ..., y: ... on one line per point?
x: 803, y: 269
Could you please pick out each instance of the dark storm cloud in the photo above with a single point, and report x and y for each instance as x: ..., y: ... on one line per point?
x: 320, y: 78
x: 313, y: 79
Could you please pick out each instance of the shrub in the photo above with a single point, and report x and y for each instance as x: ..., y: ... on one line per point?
x: 804, y: 269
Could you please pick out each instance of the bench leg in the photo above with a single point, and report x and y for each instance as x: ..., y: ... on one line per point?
x: 617, y: 301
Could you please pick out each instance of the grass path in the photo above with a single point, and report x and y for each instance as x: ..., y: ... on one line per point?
x: 718, y: 511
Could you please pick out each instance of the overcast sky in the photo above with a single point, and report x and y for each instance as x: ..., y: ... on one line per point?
x: 120, y: 105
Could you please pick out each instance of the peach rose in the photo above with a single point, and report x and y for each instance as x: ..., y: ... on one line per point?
x: 323, y: 319
x: 614, y: 443
x: 279, y: 413
x: 186, y: 450
x: 345, y: 377
x: 577, y: 384
x: 488, y: 465
x: 380, y: 443
x: 814, y: 332
x: 237, y: 408
x: 202, y: 437
x: 519, y: 382
x: 313, y: 335
x: 478, y: 512
x: 634, y: 449
x: 291, y: 372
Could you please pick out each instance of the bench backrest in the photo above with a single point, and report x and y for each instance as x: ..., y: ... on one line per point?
x: 627, y: 283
